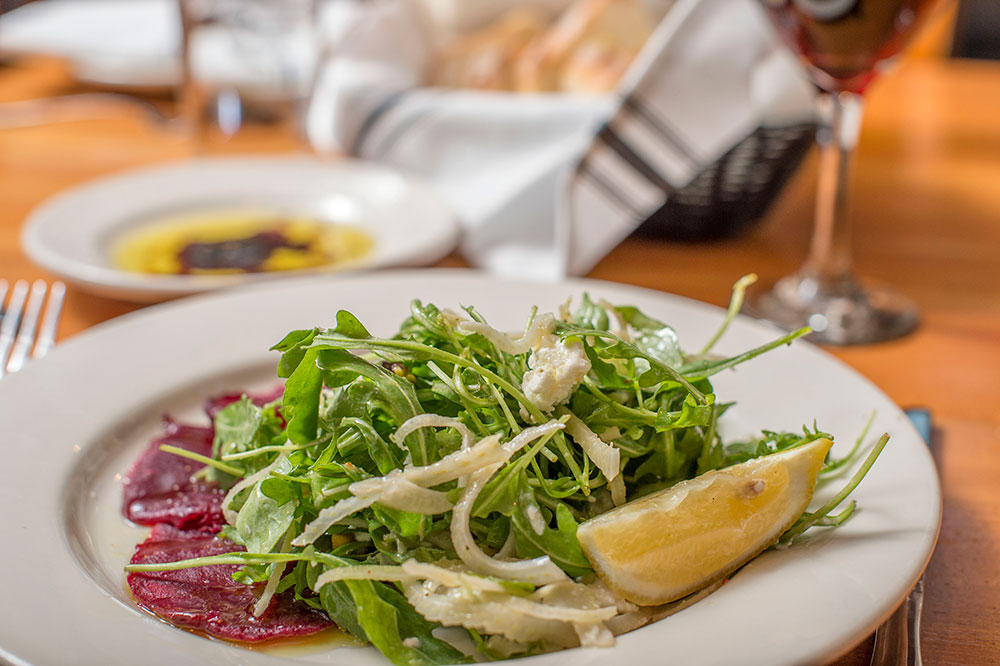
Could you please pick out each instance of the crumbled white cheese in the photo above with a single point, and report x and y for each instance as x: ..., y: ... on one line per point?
x: 556, y: 369
x: 411, y: 642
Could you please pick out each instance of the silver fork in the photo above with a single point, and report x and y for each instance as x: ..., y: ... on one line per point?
x: 897, y: 641
x: 20, y: 332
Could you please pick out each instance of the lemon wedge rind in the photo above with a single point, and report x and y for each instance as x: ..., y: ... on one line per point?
x: 671, y: 543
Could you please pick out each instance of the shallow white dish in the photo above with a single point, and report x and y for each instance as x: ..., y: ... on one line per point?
x: 73, y: 422
x: 72, y: 233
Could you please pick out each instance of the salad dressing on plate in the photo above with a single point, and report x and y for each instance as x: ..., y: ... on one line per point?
x: 320, y: 642
x: 238, y: 241
x: 326, y: 640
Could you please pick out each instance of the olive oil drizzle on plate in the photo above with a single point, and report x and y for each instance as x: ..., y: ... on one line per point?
x: 239, y: 241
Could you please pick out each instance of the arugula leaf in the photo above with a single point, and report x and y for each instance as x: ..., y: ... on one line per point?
x: 500, y: 493
x: 608, y: 345
x: 655, y: 338
x: 262, y: 520
x: 607, y: 374
x: 707, y: 367
x: 403, y: 523
x: 351, y: 326
x: 559, y: 544
x: 236, y: 427
x: 691, y: 414
x: 293, y: 347
x: 396, y: 395
x: 385, y: 456
x: 300, y: 402
x: 590, y: 315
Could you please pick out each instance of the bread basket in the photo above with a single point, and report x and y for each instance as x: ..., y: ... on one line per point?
x: 711, y: 70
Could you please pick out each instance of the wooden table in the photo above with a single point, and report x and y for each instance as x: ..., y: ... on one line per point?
x: 928, y: 193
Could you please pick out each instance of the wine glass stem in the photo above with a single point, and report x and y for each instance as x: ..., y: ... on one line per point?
x: 829, y: 261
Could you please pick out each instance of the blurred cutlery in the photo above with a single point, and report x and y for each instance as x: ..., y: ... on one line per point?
x: 897, y: 641
x: 20, y: 332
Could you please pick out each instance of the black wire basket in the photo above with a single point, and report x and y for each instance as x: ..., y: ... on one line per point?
x: 734, y: 193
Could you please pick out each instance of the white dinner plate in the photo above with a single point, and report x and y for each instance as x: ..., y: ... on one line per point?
x: 72, y: 233
x: 72, y: 423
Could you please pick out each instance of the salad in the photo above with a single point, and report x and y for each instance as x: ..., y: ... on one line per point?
x: 438, y: 477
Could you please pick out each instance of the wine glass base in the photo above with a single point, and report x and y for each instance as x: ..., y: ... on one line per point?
x: 840, y: 313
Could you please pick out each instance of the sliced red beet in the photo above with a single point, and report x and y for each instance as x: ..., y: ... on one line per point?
x: 207, y: 599
x: 218, y: 402
x: 159, y: 489
x: 186, y: 515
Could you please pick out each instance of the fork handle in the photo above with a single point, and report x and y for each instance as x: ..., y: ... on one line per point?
x: 897, y: 641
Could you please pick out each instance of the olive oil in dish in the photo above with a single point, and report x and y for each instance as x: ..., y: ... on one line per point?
x: 238, y: 241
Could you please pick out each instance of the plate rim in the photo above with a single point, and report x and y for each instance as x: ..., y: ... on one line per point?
x: 86, y: 339
x: 147, y: 288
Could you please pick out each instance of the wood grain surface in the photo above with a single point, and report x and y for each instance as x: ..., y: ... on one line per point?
x: 928, y: 209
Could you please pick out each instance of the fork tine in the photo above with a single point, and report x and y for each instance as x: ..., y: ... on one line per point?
x: 11, y: 319
x: 50, y: 322
x: 29, y: 324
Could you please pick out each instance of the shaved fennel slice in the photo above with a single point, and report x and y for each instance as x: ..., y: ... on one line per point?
x: 561, y: 613
x: 538, y: 571
x: 486, y: 451
x: 450, y: 577
x: 508, y: 546
x: 528, y: 435
x: 433, y: 421
x: 605, y: 456
x: 594, y: 635
x: 455, y: 607
x: 362, y: 572
x: 402, y: 485
x: 541, y: 326
x: 332, y: 515
x: 617, y: 488
x: 444, y: 573
x: 272, y: 580
x: 405, y: 495
x: 521, y: 619
x: 594, y: 596
x: 630, y: 619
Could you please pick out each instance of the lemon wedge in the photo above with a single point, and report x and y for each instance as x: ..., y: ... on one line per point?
x: 669, y: 544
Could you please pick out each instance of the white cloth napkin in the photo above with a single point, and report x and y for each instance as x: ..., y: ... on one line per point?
x: 119, y: 42
x: 137, y: 43
x: 547, y: 184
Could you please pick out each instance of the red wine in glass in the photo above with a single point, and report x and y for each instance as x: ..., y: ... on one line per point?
x: 844, y: 45
x: 844, y: 41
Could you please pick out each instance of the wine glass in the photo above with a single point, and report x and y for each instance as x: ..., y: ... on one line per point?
x: 247, y: 71
x: 844, y: 44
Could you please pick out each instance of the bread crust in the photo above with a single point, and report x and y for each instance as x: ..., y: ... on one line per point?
x: 587, y: 49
